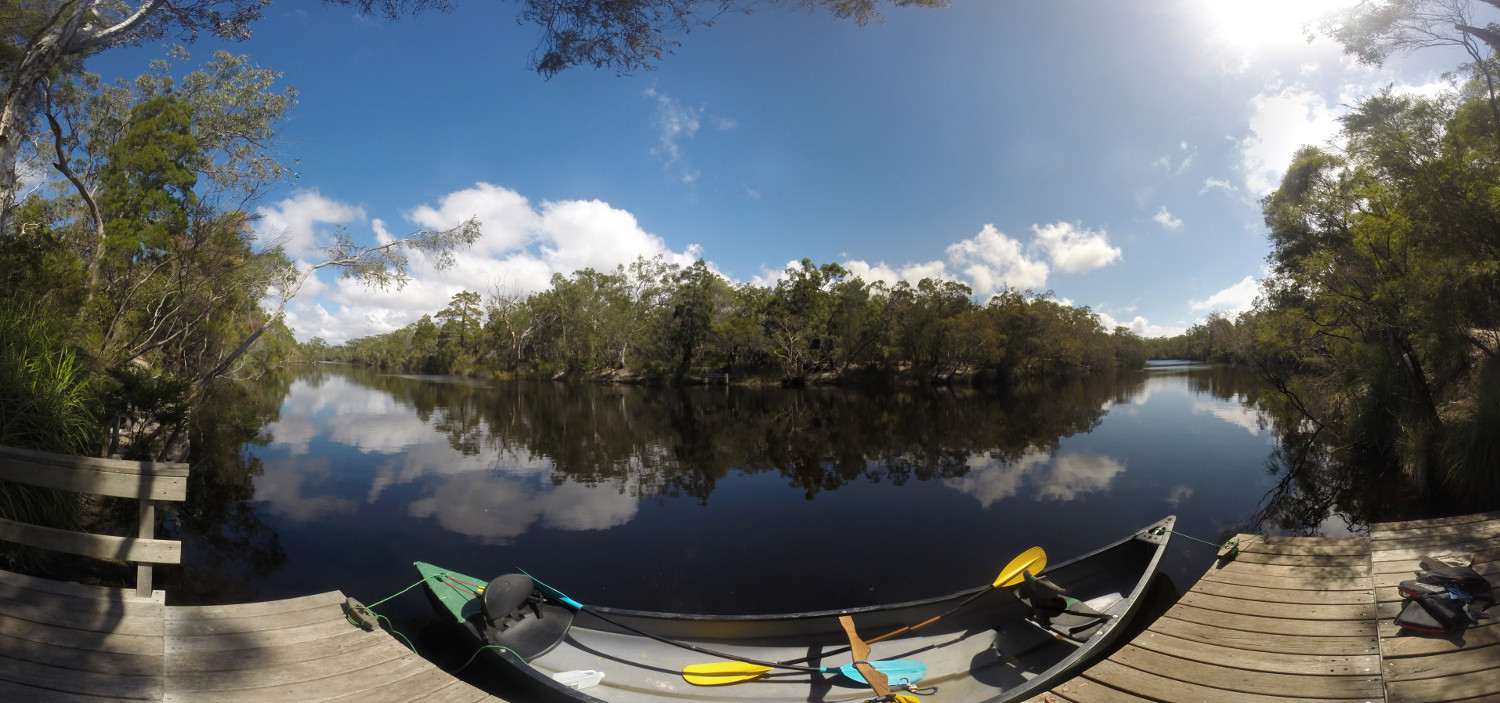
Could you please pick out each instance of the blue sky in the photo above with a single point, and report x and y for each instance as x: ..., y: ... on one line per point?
x: 1110, y: 151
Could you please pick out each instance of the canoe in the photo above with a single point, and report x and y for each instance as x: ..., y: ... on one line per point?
x: 1003, y: 644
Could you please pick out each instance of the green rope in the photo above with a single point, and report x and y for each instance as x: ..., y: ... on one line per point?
x: 404, y: 590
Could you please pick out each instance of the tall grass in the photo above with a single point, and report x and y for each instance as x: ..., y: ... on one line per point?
x: 46, y: 403
x: 1471, y: 449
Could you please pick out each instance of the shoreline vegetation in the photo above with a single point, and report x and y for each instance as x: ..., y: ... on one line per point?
x: 655, y: 322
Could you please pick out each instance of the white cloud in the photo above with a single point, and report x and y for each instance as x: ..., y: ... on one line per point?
x: 1140, y: 325
x: 1065, y: 477
x: 676, y: 122
x: 1233, y: 300
x: 1074, y: 249
x: 1281, y: 121
x: 911, y: 273
x: 1217, y: 184
x: 293, y: 222
x: 522, y: 246
x: 1234, y: 413
x: 1165, y: 219
x: 993, y: 261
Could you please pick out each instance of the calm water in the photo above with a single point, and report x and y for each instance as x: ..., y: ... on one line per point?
x: 708, y: 499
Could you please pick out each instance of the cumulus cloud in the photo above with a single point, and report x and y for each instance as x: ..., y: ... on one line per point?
x: 1217, y: 184
x: 1233, y: 300
x: 1064, y: 477
x: 522, y: 246
x: 1074, y: 249
x: 1165, y: 219
x: 911, y: 273
x: 1141, y: 326
x: 293, y: 222
x: 1281, y: 121
x: 993, y: 261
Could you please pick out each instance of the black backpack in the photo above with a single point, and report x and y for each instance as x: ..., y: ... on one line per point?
x: 1440, y: 601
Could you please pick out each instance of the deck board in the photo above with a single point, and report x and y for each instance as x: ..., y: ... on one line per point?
x: 1425, y: 668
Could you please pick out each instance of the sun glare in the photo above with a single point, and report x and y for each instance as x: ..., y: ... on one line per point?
x: 1257, y: 23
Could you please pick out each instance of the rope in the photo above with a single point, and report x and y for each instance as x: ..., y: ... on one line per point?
x: 404, y: 590
x: 1230, y: 543
x: 389, y: 626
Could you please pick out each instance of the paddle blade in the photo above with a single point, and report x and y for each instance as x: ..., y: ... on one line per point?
x: 720, y: 673
x: 1032, y: 560
x: 898, y: 670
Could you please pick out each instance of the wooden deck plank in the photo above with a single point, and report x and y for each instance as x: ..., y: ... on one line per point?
x: 1284, y: 595
x: 56, y: 615
x: 1448, y: 688
x: 67, y: 680
x: 1281, y: 610
x: 1245, y: 578
x: 368, y: 679
x: 278, y: 672
x: 259, y: 609
x: 1309, y: 570
x: 68, y: 588
x: 1488, y: 553
x: 1314, y: 560
x: 1467, y: 660
x: 1434, y: 522
x: 30, y: 694
x: 275, y: 653
x: 1394, y: 644
x: 1474, y: 532
x: 308, y: 632
x: 1274, y: 662
x: 79, y: 639
x: 1252, y: 623
x: 12, y: 594
x: 431, y: 685
x: 191, y: 624
x: 103, y: 662
x: 1261, y: 641
x: 1296, y: 546
x: 1365, y: 685
x: 1159, y: 687
x: 1082, y: 690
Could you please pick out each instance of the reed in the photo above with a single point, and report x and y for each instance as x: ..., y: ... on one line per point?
x: 46, y: 403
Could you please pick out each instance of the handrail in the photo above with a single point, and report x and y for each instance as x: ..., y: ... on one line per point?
x: 147, y: 482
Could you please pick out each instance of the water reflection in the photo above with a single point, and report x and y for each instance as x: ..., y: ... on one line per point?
x: 683, y: 498
x: 1044, y: 475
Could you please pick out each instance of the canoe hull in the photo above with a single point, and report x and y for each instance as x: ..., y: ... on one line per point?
x: 989, y: 651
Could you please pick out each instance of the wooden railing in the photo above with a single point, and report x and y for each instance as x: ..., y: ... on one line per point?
x: 147, y: 482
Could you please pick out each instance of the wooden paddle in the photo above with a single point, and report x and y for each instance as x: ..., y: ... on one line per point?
x: 718, y: 673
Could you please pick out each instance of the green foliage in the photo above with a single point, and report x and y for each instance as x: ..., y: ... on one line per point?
x: 46, y: 404
x: 653, y: 319
x: 1385, y: 291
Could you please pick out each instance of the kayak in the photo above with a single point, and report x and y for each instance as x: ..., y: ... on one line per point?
x: 1032, y: 628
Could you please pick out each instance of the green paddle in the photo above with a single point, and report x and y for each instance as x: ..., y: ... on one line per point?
x: 1030, y: 561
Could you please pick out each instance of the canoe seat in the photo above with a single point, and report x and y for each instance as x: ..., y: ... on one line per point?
x: 1055, y: 611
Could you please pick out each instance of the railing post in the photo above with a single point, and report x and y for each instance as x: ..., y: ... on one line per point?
x: 147, y: 531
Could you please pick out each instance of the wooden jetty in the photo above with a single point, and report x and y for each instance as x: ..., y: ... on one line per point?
x: 73, y: 643
x: 1309, y: 620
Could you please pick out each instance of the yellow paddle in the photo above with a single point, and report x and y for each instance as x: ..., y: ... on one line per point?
x: 719, y: 673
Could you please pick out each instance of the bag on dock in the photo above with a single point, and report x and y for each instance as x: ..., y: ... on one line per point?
x: 1440, y: 601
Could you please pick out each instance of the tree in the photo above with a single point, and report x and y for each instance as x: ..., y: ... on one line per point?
x: 1376, y: 30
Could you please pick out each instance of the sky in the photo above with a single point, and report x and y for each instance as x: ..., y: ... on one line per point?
x: 1110, y: 151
